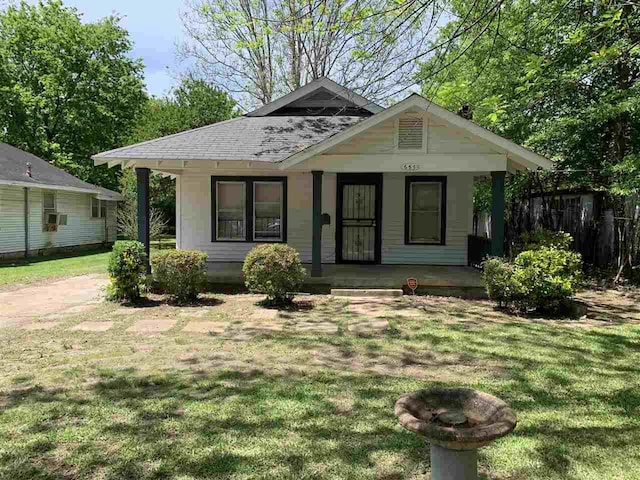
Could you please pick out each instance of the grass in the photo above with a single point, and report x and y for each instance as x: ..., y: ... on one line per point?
x: 23, y: 271
x: 33, y: 269
x: 303, y: 405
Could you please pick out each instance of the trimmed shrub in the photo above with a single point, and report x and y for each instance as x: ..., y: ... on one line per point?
x: 180, y: 273
x: 497, y: 273
x: 543, y: 238
x: 546, y: 278
x: 543, y: 279
x: 127, y: 269
x: 275, y: 270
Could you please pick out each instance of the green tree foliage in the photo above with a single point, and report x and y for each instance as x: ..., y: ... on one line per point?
x: 560, y: 77
x: 67, y: 89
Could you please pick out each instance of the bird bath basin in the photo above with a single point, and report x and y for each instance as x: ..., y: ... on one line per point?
x: 456, y: 422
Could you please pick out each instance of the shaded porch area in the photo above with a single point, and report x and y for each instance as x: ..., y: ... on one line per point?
x: 432, y: 279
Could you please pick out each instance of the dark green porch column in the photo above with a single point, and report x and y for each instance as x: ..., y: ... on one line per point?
x: 497, y: 213
x: 316, y: 239
x: 142, y: 175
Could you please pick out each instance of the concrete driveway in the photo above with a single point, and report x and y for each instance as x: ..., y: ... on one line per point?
x: 67, y: 295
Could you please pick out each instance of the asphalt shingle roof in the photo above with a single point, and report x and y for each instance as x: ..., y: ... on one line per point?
x: 13, y: 168
x: 266, y: 139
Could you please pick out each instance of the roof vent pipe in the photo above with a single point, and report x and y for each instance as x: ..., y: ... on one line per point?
x: 28, y: 172
x: 465, y: 111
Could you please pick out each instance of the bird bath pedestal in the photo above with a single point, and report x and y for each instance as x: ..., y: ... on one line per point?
x: 456, y: 421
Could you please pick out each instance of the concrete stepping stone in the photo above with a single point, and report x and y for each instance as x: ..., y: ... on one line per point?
x: 194, y: 313
x: 93, y: 326
x: 39, y: 326
x: 368, y: 326
x: 316, y: 327
x: 264, y: 314
x: 369, y: 309
x: 205, y: 327
x: 152, y: 326
x: 80, y: 308
x: 277, y: 326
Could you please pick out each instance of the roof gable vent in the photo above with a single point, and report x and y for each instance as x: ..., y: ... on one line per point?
x: 410, y: 132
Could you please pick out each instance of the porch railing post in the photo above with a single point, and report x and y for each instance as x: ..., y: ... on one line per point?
x: 316, y: 239
x: 497, y: 213
x: 142, y: 176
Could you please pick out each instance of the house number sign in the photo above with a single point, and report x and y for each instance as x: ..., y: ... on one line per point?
x: 411, y: 167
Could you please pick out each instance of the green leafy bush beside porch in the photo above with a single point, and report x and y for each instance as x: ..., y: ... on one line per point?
x: 275, y: 270
x: 180, y: 273
x: 127, y: 269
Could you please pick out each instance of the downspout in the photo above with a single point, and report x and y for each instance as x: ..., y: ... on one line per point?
x: 26, y: 221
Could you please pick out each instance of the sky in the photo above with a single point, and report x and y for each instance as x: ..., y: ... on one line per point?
x: 155, y: 28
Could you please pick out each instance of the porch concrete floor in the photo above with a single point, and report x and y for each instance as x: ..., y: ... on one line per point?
x: 370, y: 276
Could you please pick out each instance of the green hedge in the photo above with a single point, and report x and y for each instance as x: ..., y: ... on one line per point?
x: 275, y: 270
x: 127, y: 269
x: 542, y: 278
x: 180, y: 273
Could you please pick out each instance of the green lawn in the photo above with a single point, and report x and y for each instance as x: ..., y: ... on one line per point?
x: 23, y: 271
x: 294, y: 404
x: 53, y: 266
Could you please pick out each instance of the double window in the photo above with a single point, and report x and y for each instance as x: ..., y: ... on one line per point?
x: 249, y: 209
x: 98, y: 208
x: 425, y: 210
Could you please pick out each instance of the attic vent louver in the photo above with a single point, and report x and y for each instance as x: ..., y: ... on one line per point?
x: 410, y: 132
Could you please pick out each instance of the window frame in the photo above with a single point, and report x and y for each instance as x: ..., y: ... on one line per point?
x: 244, y: 210
x: 410, y: 179
x: 271, y: 240
x: 44, y: 208
x: 100, y: 207
x: 249, y: 207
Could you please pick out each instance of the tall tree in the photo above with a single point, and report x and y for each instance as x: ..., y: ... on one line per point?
x: 261, y: 49
x: 67, y: 89
x: 563, y: 77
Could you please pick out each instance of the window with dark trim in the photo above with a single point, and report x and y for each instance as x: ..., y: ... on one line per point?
x: 249, y: 209
x: 425, y: 210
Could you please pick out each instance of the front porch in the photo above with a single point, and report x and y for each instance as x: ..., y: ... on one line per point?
x: 432, y: 279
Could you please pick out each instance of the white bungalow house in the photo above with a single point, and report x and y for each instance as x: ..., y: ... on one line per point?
x: 336, y: 176
x: 44, y: 209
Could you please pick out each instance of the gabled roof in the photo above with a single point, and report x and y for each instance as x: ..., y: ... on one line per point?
x: 13, y: 171
x: 321, y: 85
x: 266, y: 139
x: 414, y: 102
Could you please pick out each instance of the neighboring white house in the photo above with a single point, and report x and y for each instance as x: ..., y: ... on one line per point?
x: 44, y: 209
x: 334, y: 175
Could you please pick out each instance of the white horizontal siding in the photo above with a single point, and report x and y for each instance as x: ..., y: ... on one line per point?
x: 458, y: 226
x: 441, y: 138
x: 11, y: 219
x: 195, y: 229
x: 194, y: 224
x: 81, y: 229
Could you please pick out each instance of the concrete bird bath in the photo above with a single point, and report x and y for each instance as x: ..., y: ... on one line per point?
x: 456, y: 421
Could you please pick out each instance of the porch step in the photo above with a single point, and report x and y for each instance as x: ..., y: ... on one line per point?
x: 366, y: 292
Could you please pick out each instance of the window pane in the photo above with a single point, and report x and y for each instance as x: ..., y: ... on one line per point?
x: 267, y: 210
x: 103, y: 208
x: 94, y: 207
x: 49, y: 201
x: 425, y: 212
x: 230, y: 204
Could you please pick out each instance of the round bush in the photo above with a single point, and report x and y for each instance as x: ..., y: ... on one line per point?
x: 543, y: 279
x: 127, y: 269
x: 180, y: 273
x: 275, y: 270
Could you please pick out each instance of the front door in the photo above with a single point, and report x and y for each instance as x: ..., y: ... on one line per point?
x: 358, y: 228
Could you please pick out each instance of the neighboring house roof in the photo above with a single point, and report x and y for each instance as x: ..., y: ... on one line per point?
x: 13, y: 171
x: 266, y: 139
